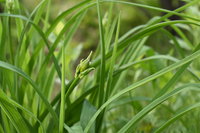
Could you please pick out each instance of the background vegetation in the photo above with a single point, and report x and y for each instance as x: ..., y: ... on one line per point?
x: 99, y: 66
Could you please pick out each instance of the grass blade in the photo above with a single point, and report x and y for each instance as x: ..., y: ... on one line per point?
x: 12, y: 113
x: 177, y: 116
x: 154, y: 104
x: 62, y: 107
x: 20, y: 72
x: 141, y: 82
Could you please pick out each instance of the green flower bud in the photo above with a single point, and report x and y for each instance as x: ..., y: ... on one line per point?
x: 84, y: 65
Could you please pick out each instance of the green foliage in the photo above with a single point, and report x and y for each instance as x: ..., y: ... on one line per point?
x: 144, y: 79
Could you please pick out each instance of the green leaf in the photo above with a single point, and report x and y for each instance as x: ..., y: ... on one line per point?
x: 41, y: 34
x: 88, y: 111
x: 141, y: 82
x: 35, y: 87
x: 103, y: 52
x: 76, y: 128
x: 12, y: 113
x: 62, y: 107
x: 128, y: 127
x: 178, y: 114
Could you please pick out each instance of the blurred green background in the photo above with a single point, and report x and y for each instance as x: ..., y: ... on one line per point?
x: 86, y: 39
x: 131, y: 17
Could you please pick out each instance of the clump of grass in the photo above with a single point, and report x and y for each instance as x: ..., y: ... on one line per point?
x: 123, y: 86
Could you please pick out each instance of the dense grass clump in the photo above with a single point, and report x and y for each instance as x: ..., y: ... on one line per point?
x: 145, y: 79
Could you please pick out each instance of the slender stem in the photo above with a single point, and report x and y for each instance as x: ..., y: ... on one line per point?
x: 62, y: 107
